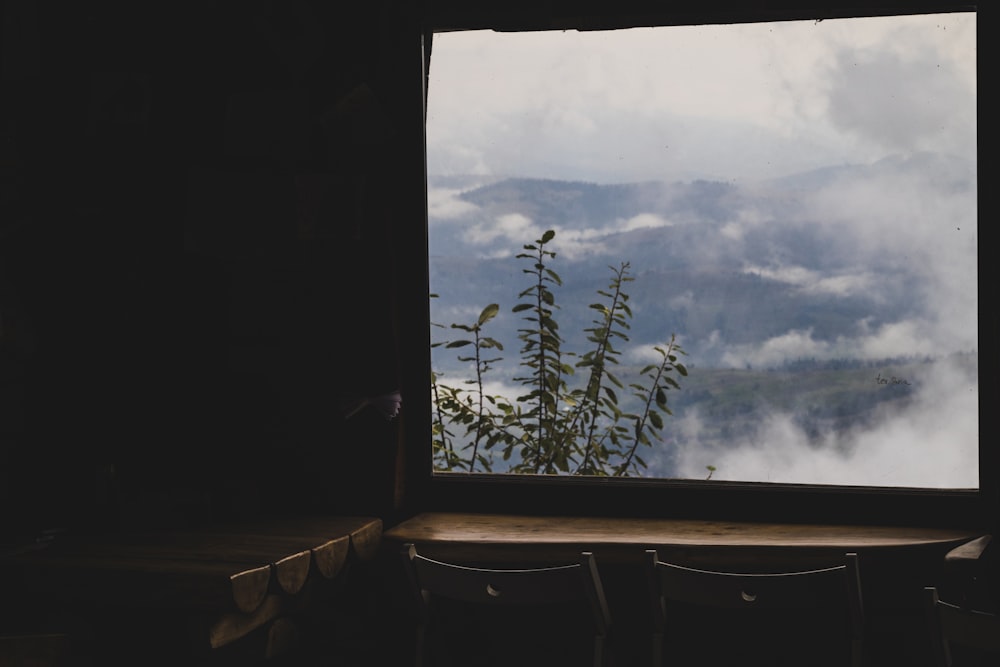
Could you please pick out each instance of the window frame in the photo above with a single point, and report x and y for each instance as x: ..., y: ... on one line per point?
x: 424, y: 490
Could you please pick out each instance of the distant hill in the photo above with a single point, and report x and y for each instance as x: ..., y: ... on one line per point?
x: 789, y: 295
x: 749, y: 263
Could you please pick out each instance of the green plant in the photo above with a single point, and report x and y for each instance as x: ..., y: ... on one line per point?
x: 453, y: 405
x: 553, y: 428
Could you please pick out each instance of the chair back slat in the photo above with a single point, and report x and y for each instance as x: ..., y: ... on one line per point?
x: 574, y: 583
x: 817, y: 589
x: 822, y: 594
x: 490, y: 586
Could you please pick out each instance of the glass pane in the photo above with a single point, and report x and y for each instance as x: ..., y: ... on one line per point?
x: 796, y: 204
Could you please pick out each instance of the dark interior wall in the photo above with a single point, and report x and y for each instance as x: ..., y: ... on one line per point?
x: 195, y: 263
x: 81, y: 344
x: 196, y: 254
x: 288, y: 273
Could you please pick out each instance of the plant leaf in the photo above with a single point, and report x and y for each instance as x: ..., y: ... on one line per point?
x: 489, y: 312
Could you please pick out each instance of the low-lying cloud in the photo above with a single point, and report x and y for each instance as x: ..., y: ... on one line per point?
x: 445, y: 204
x: 506, y: 234
x: 814, y: 282
x: 933, y: 443
x: 895, y: 339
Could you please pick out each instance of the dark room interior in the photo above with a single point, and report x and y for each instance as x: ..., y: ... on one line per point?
x: 213, y: 248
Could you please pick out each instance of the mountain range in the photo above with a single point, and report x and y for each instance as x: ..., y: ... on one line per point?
x: 858, y: 269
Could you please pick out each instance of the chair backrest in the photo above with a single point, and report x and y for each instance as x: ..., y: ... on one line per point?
x: 950, y: 624
x: 571, y: 583
x: 833, y: 590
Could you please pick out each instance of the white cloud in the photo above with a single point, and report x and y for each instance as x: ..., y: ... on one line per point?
x: 842, y: 285
x: 898, y: 338
x: 774, y: 351
x: 683, y: 300
x: 933, y: 443
x: 451, y: 153
x: 913, y: 338
x: 507, y: 233
x: 813, y: 282
x: 730, y: 101
x: 901, y: 103
x: 643, y: 221
x: 444, y: 204
x: 647, y: 353
x: 732, y: 231
x: 793, y: 275
x: 510, y: 226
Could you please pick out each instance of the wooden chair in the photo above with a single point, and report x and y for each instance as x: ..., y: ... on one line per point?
x: 970, y: 575
x: 576, y: 586
x: 766, y: 606
x: 976, y: 632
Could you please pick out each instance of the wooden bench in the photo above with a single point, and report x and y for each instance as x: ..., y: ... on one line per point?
x: 223, y: 583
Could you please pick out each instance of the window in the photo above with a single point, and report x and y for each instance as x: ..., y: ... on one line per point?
x: 797, y: 202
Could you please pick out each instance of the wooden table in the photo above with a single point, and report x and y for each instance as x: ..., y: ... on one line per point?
x: 895, y: 562
x: 225, y: 581
x: 530, y: 539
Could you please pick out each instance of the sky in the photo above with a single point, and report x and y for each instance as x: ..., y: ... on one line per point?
x: 744, y: 104
x: 733, y: 102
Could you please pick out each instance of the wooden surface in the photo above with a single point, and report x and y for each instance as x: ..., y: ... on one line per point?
x: 329, y: 538
x: 232, y: 626
x: 970, y: 551
x: 76, y: 574
x: 527, y: 538
x: 238, y: 578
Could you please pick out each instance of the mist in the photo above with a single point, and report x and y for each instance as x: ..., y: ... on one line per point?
x: 932, y: 443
